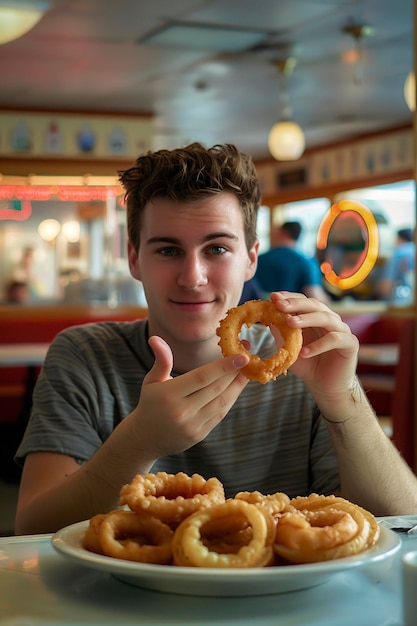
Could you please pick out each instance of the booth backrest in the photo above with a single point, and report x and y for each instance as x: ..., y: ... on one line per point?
x: 40, y: 324
x: 398, y: 404
x: 403, y: 405
x: 34, y: 324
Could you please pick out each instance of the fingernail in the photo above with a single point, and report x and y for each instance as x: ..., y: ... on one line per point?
x: 239, y: 361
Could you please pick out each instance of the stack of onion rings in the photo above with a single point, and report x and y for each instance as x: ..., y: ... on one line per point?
x: 265, y: 312
x: 181, y: 520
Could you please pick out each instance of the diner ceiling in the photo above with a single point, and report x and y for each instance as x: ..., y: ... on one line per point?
x: 106, y: 56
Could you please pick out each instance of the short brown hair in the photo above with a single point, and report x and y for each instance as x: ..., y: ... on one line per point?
x: 186, y: 174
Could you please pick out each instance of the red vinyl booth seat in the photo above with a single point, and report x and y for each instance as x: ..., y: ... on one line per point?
x: 39, y: 324
x: 395, y: 395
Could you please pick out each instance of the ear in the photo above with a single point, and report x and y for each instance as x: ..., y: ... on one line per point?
x: 133, y: 258
x: 252, y: 261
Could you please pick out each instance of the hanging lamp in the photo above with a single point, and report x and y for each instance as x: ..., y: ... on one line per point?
x: 286, y: 140
x: 17, y: 17
x: 355, y: 56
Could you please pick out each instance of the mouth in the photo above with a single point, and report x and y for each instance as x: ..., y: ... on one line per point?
x: 192, y: 305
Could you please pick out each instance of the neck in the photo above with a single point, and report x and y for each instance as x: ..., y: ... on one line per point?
x: 193, y: 355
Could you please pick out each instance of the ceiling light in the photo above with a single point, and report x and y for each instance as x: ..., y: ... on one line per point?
x: 49, y: 229
x: 17, y: 18
x: 410, y: 91
x: 71, y: 231
x: 286, y: 140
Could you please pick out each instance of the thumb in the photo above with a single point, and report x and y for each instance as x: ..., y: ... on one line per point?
x: 161, y: 369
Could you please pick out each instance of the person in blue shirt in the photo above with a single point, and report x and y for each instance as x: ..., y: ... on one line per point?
x: 398, y: 274
x: 284, y: 267
x: 251, y: 291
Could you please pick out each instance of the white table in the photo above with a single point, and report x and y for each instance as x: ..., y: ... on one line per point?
x: 23, y: 354
x: 38, y: 586
x: 379, y: 354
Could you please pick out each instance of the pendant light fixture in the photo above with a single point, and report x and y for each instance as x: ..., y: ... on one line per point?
x: 17, y: 17
x: 286, y: 140
x: 359, y: 32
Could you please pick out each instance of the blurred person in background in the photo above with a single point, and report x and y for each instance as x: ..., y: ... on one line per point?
x: 251, y: 291
x: 16, y: 292
x: 285, y: 268
x: 25, y: 273
x: 397, y: 279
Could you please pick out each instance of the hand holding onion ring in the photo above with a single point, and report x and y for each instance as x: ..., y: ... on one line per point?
x: 265, y: 312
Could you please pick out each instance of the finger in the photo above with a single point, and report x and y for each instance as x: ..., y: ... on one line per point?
x: 211, y: 373
x: 219, y: 406
x: 345, y: 343
x: 309, y: 312
x: 162, y: 367
x: 277, y: 296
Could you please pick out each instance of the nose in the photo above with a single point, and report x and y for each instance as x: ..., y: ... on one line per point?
x: 193, y: 272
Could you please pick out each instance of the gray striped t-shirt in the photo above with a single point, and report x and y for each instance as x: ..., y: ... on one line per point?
x: 273, y: 438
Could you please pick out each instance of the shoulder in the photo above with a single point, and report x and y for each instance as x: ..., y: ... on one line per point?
x: 102, y: 331
x: 98, y: 340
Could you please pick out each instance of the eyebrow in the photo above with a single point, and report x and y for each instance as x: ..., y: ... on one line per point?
x: 176, y: 241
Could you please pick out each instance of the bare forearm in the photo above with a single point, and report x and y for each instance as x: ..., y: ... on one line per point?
x: 372, y: 472
x: 78, y: 492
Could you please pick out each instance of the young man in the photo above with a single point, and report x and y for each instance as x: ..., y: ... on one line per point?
x: 117, y: 399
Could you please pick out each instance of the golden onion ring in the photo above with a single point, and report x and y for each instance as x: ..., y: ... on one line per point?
x: 264, y: 312
x: 171, y: 497
x: 321, y: 528
x: 140, y: 538
x: 189, y: 549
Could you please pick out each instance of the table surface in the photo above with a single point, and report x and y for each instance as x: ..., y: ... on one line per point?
x: 22, y: 354
x: 34, y: 354
x: 38, y: 586
x: 379, y: 353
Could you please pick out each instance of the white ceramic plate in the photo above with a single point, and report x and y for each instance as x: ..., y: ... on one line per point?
x: 218, y: 582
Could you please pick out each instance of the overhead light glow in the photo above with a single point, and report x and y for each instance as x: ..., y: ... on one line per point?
x: 286, y: 141
x: 18, y: 18
x: 49, y: 229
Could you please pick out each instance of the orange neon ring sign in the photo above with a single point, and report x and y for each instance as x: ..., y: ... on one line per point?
x: 369, y: 255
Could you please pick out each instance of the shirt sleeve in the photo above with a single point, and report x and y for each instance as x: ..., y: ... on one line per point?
x: 65, y: 416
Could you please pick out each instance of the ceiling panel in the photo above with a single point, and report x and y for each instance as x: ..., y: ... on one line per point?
x: 85, y: 55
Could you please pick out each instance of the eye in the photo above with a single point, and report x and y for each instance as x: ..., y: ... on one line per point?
x: 216, y: 250
x: 171, y: 251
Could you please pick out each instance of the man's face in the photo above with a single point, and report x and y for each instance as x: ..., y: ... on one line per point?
x: 192, y: 261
